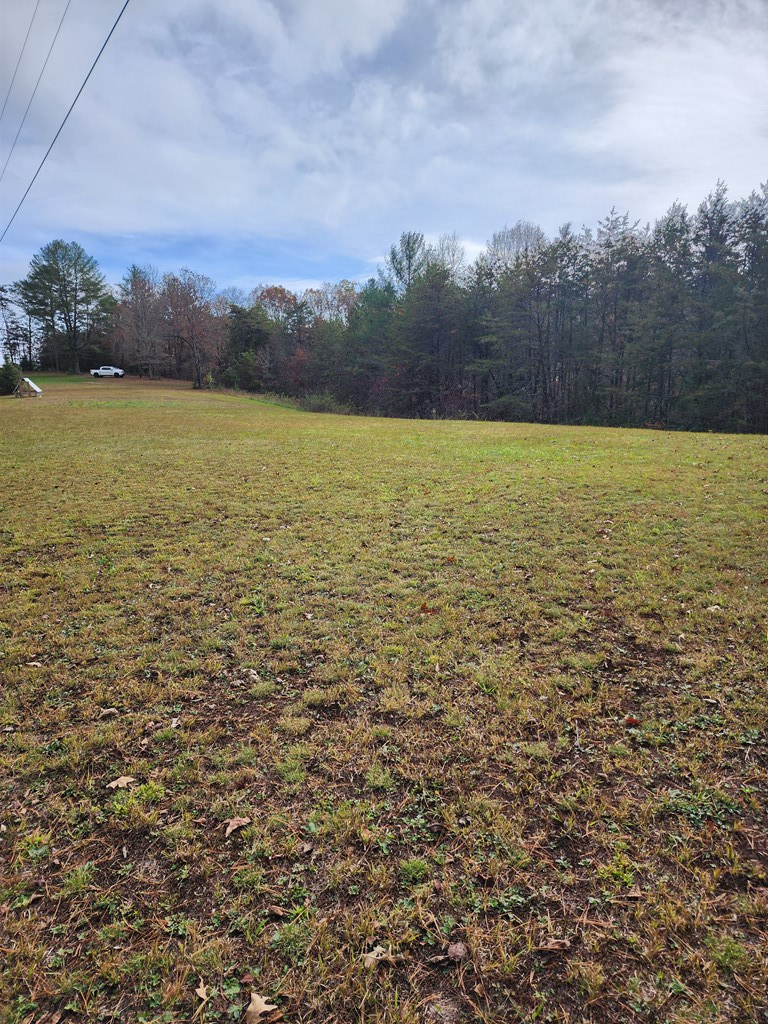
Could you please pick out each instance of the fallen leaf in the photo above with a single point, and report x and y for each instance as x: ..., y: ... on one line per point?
x: 365, y: 834
x: 174, y: 723
x: 276, y: 911
x: 376, y: 956
x: 425, y: 610
x: 552, y: 944
x: 258, y: 1008
x: 631, y: 722
x: 34, y: 664
x: 457, y: 951
x: 247, y: 978
x: 234, y: 823
x: 634, y: 894
x: 201, y: 991
x: 121, y: 783
x: 108, y: 712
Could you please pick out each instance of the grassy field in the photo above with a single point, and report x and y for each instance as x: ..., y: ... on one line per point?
x: 381, y: 721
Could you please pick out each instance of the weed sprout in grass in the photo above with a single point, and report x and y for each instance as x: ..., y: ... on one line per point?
x: 413, y: 871
x: 255, y: 602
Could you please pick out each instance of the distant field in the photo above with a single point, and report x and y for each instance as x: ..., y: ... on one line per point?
x: 406, y: 721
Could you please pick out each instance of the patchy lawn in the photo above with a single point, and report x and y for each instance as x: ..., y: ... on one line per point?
x: 381, y: 721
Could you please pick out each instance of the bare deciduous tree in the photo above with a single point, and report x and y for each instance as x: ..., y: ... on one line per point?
x: 191, y: 325
x: 139, y: 328
x: 508, y: 244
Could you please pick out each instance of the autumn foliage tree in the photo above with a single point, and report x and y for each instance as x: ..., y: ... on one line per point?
x: 191, y: 327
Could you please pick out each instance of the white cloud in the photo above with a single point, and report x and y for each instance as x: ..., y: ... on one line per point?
x: 489, y: 47
x: 687, y: 111
x: 331, y: 128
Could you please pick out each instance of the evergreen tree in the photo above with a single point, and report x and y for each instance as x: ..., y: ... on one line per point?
x: 10, y: 375
x: 65, y: 294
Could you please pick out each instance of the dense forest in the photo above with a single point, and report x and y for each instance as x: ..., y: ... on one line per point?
x: 624, y: 325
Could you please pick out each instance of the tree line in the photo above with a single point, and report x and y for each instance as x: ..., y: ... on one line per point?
x: 624, y: 325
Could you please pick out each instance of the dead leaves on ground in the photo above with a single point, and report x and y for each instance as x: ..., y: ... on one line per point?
x: 457, y: 951
x: 553, y: 945
x: 454, y: 954
x: 122, y: 783
x: 235, y: 823
x: 378, y: 955
x: 52, y: 1017
x: 258, y: 1008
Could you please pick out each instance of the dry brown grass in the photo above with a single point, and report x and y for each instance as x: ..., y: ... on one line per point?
x: 481, y: 683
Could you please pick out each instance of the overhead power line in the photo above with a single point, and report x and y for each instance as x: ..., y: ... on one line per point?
x: 23, y: 48
x: 66, y: 117
x: 34, y: 91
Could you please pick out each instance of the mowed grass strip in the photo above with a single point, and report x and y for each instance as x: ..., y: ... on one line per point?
x: 481, y: 707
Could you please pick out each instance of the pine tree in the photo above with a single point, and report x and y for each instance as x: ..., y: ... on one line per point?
x: 65, y: 294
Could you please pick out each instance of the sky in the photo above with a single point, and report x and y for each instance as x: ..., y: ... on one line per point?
x: 293, y: 141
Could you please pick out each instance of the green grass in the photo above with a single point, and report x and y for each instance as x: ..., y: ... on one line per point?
x: 490, y: 684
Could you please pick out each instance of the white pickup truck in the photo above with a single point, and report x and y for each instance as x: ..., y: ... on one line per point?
x: 107, y: 371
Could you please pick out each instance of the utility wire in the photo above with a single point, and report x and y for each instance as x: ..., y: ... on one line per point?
x: 23, y: 48
x: 66, y: 117
x: 34, y: 91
